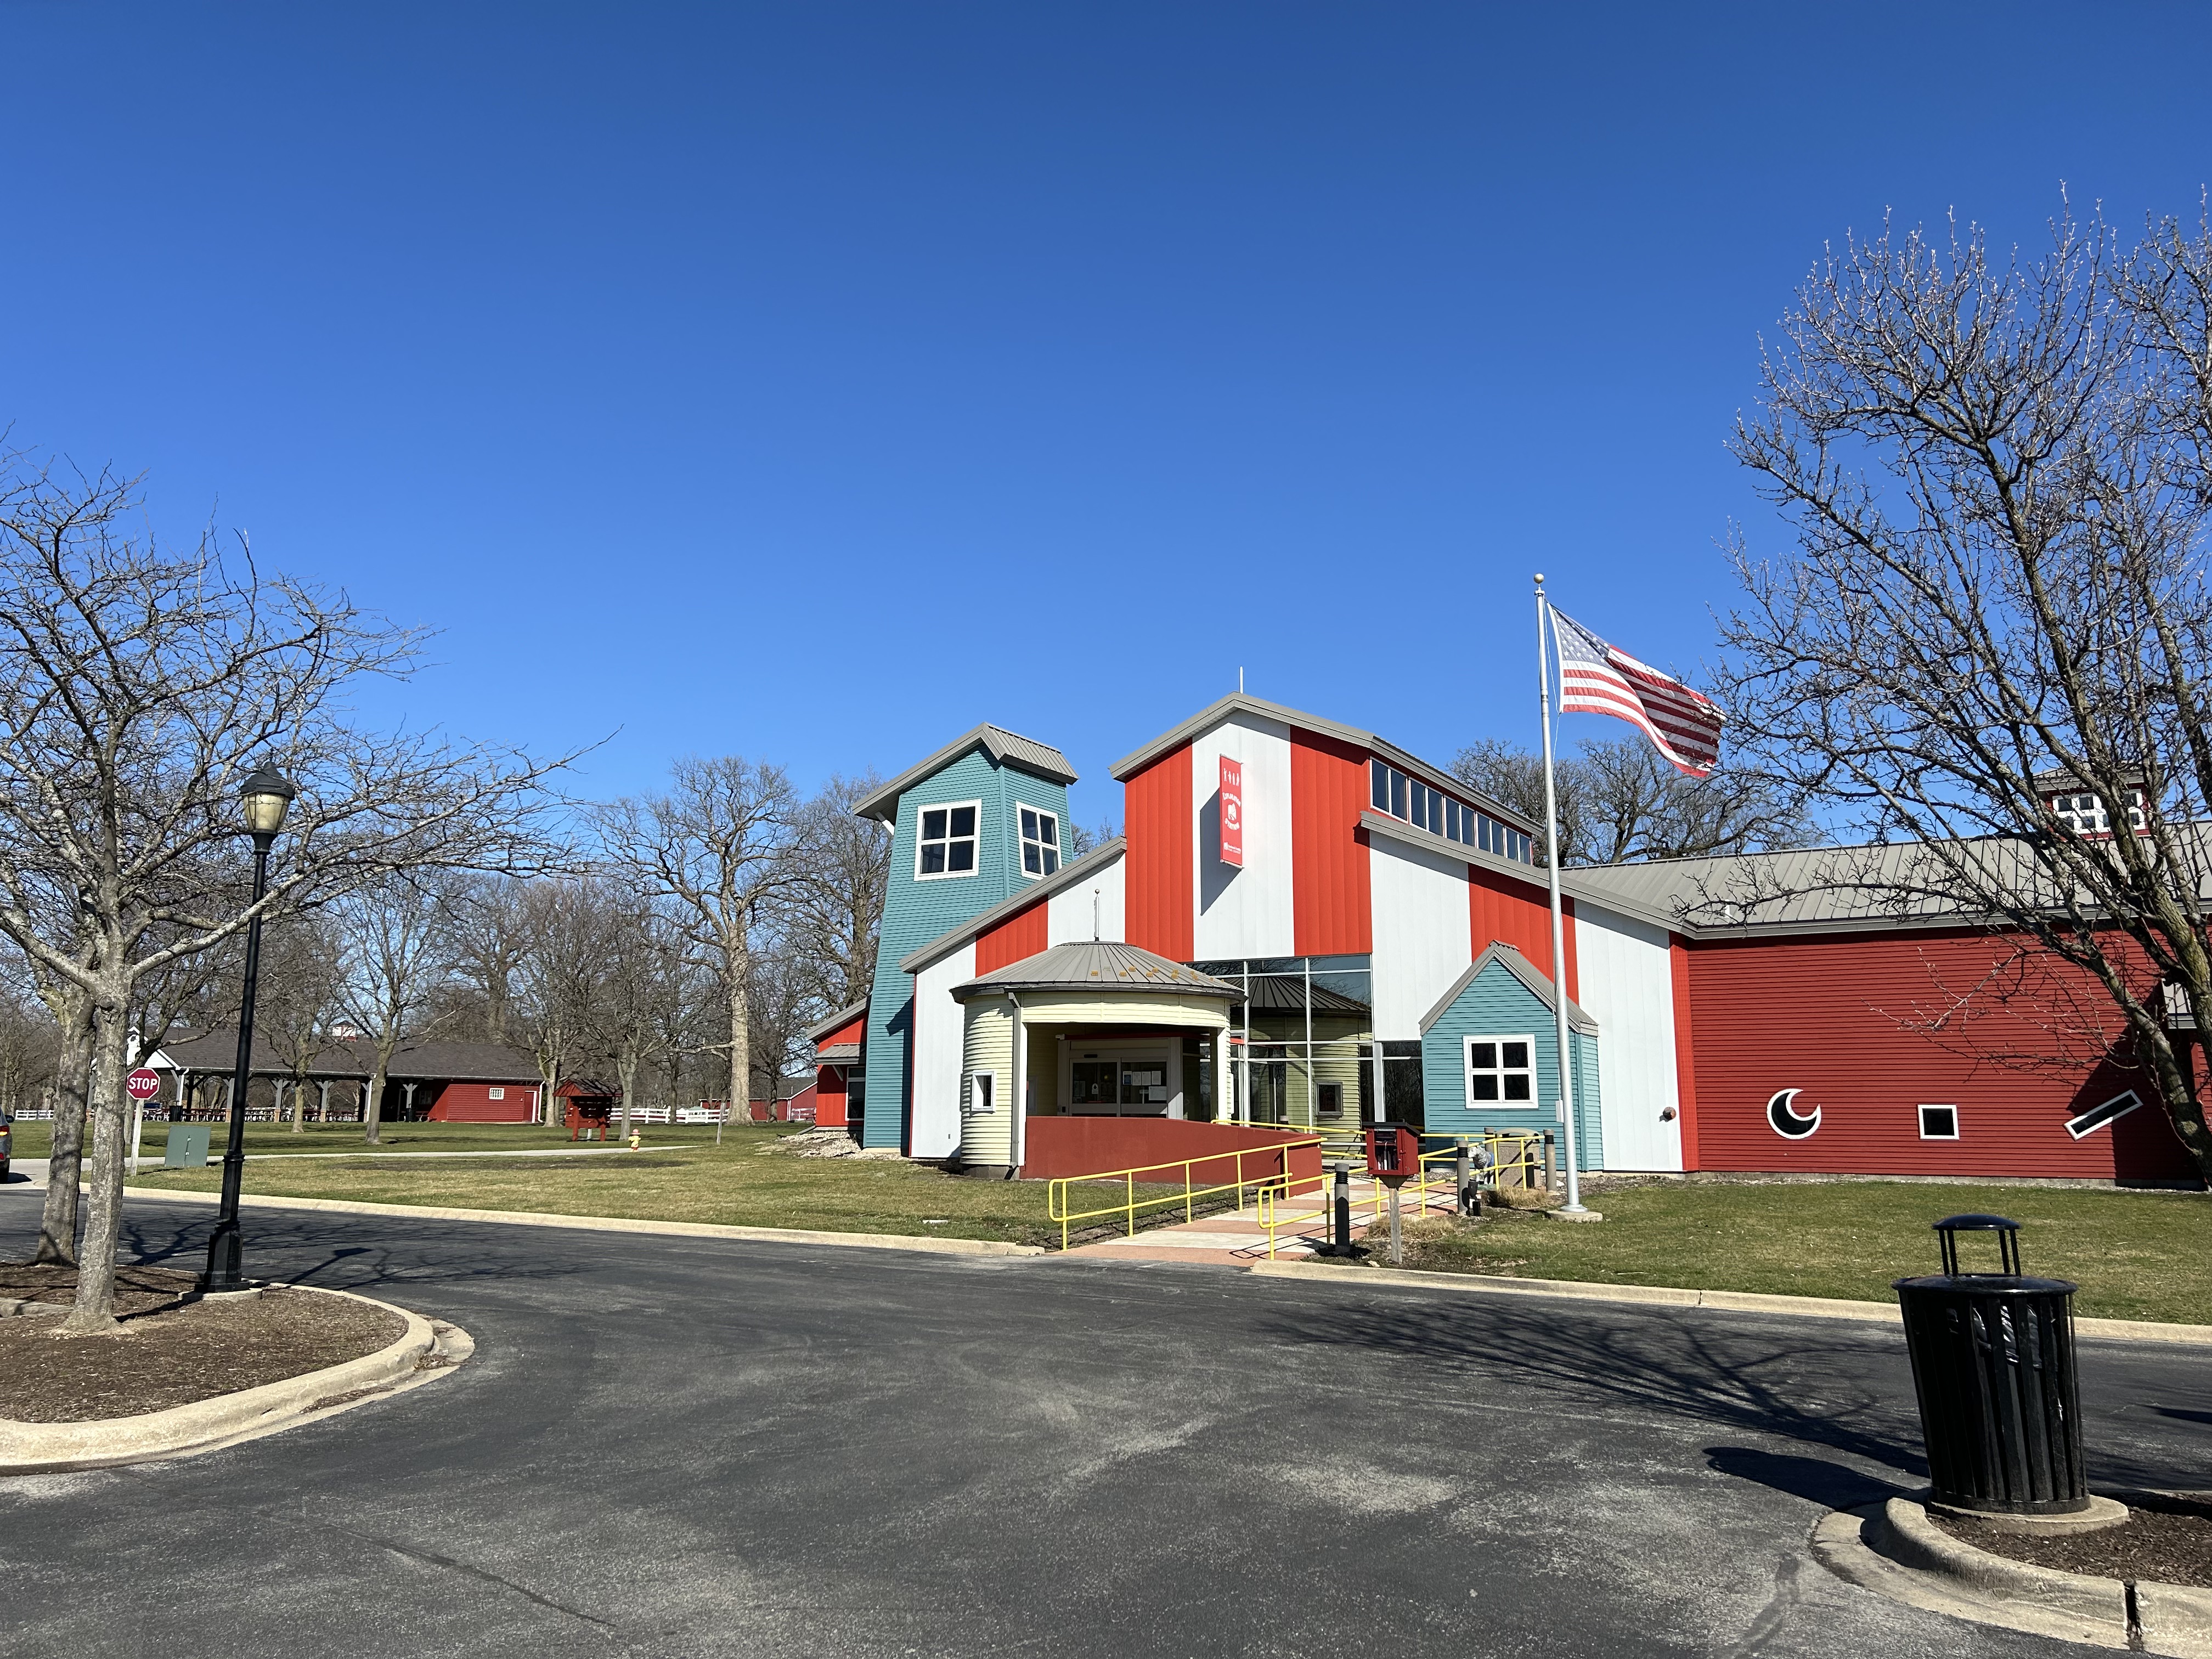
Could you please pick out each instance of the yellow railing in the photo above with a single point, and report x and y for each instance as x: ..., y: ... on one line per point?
x: 1059, y: 1193
x: 1437, y: 1177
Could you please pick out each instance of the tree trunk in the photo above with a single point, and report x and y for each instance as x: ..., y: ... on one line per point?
x: 65, y: 1167
x: 93, y: 1312
x: 299, y: 1101
x: 372, y: 1109
x: 741, y: 1059
x: 626, y: 1073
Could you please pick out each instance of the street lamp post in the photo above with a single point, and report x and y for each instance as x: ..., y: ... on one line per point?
x: 264, y: 796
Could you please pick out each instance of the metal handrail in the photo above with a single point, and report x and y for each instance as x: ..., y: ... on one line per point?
x: 1057, y: 1191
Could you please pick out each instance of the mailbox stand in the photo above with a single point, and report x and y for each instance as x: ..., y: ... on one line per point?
x: 1393, y: 1156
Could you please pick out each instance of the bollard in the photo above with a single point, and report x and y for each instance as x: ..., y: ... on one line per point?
x: 1342, y: 1211
x: 1550, y: 1168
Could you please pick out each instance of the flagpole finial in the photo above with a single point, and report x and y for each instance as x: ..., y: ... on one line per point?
x: 1540, y: 579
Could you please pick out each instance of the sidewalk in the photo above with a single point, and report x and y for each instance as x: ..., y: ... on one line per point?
x: 35, y: 1168
x: 1236, y: 1238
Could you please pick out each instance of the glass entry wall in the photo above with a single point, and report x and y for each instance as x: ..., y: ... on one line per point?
x: 1300, y: 1040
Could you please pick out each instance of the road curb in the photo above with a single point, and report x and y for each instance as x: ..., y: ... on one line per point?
x: 1894, y: 1550
x: 206, y: 1425
x: 621, y: 1224
x: 1804, y: 1307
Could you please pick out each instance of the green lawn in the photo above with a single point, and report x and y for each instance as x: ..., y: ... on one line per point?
x: 2136, y: 1254
x: 739, y: 1184
x: 35, y: 1140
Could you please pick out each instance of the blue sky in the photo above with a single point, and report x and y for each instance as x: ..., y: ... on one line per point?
x: 812, y: 382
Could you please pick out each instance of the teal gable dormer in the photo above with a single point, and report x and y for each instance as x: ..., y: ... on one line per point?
x: 980, y: 783
x: 1490, y: 1056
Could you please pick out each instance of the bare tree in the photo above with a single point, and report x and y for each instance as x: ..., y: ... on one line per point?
x: 566, y: 936
x: 833, y: 906
x: 304, y: 965
x: 138, y: 687
x: 30, y: 1042
x: 639, y: 974
x: 1619, y: 800
x: 396, y: 954
x: 718, y: 846
x: 1082, y: 840
x: 490, y: 933
x: 1995, y: 472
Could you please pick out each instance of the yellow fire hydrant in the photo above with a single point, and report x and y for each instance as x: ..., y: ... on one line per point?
x: 635, y: 1139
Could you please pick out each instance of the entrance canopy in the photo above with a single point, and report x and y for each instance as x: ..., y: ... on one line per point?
x: 1096, y: 1030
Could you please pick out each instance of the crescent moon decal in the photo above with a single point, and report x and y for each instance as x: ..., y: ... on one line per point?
x: 1785, y: 1122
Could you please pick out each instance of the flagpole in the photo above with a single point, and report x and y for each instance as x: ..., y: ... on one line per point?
x: 1574, y: 1204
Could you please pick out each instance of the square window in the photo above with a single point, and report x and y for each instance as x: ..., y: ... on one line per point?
x: 1040, y: 843
x: 1499, y: 1071
x: 1939, y: 1122
x: 946, y: 846
x: 495, y: 1093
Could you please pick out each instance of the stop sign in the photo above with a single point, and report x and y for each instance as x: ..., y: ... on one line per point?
x: 143, y: 1084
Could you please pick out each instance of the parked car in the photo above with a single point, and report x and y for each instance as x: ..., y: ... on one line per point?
x: 7, y: 1139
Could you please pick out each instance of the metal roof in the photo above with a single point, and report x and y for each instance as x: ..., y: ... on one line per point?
x: 1522, y: 969
x: 215, y: 1052
x: 1237, y: 702
x: 1033, y: 892
x: 837, y: 1053
x: 1007, y: 748
x: 1098, y: 966
x: 842, y: 1017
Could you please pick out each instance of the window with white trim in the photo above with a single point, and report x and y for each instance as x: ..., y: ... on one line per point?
x: 1040, y: 843
x: 1939, y: 1122
x: 982, y: 1093
x: 1501, y: 1070
x: 946, y: 845
x: 2084, y: 813
x: 1391, y: 791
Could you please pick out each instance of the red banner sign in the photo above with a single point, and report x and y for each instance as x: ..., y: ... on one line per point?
x: 1232, y: 813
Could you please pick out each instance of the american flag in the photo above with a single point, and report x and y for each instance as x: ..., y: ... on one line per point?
x: 1596, y: 678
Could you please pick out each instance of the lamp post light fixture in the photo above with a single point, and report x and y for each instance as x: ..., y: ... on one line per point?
x: 263, y: 799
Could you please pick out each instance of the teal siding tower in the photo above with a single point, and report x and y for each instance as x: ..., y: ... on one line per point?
x: 1502, y: 1000
x: 939, y: 878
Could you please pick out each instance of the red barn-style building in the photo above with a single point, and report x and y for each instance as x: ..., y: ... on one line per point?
x: 1387, y: 933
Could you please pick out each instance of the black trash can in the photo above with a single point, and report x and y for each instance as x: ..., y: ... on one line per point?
x: 1993, y: 1366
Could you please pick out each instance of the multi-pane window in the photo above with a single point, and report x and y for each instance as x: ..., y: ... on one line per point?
x: 2084, y: 813
x: 1501, y: 1070
x: 946, y: 846
x: 1040, y: 843
x: 1391, y: 791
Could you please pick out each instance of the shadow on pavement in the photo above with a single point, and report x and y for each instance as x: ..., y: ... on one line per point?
x: 1829, y: 1485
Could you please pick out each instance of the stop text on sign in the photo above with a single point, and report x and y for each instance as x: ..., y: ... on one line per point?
x: 143, y: 1084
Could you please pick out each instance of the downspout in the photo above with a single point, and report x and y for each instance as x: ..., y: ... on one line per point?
x: 1018, y: 1126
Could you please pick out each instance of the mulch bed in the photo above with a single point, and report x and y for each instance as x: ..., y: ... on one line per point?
x: 170, y: 1352
x: 2163, y: 1546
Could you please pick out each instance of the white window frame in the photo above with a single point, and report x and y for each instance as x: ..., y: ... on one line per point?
x: 969, y: 1107
x: 496, y: 1091
x: 1938, y: 1106
x: 1024, y: 839
x: 1468, y: 1070
x: 2105, y: 1116
x: 947, y: 807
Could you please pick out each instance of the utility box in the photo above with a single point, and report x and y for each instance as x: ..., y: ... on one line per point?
x: 188, y: 1147
x: 1393, y: 1153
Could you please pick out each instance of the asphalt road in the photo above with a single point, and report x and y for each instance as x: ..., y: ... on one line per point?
x: 680, y: 1447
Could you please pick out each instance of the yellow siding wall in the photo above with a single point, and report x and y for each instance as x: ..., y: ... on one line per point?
x: 988, y: 1047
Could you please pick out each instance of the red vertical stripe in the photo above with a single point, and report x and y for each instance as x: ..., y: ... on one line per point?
x: 1500, y: 910
x: 1156, y: 817
x: 1018, y: 936
x: 1331, y: 914
x: 1685, y: 1054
